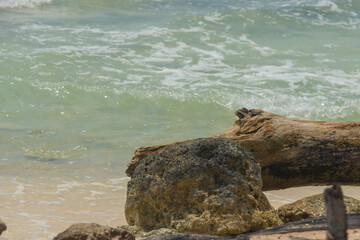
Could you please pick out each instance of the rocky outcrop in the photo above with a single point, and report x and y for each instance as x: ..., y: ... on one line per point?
x: 312, y: 207
x: 93, y: 231
x: 210, y: 185
x: 2, y: 227
x: 291, y: 152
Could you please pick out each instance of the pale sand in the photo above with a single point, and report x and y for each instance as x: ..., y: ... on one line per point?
x: 278, y: 198
x: 84, y: 205
x: 320, y: 235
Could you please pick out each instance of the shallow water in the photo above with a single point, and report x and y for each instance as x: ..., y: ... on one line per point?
x: 83, y: 83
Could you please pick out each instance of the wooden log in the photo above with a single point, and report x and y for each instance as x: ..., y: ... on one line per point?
x: 291, y: 152
x: 335, y: 213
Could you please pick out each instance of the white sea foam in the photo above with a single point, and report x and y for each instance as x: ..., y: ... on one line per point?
x: 22, y: 3
x: 65, y: 187
x: 214, y: 17
x: 330, y: 4
x: 119, y: 180
x: 94, y: 193
x: 264, y: 50
x: 19, y: 190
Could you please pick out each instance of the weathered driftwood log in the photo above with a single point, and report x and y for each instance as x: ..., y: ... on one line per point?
x: 291, y: 152
x: 335, y: 213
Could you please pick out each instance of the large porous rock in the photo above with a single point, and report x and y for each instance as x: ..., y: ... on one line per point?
x: 313, y: 207
x: 290, y: 152
x: 2, y: 227
x: 93, y: 231
x: 209, y: 185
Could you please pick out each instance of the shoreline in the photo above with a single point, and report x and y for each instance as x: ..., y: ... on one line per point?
x: 17, y: 225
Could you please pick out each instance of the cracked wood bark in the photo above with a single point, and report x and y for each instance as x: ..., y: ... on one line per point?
x: 335, y: 213
x: 291, y: 152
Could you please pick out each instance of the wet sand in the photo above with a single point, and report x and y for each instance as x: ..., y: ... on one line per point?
x: 41, y: 210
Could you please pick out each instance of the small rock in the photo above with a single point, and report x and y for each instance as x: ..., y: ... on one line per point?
x: 141, y: 234
x: 2, y: 227
x: 93, y: 231
x: 312, y: 207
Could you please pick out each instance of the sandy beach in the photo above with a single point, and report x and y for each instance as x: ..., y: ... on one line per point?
x: 353, y: 234
x: 61, y: 217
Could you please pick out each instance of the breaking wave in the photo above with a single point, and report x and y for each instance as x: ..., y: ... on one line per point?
x: 22, y: 3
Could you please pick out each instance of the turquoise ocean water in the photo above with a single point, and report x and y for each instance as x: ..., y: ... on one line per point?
x: 83, y: 83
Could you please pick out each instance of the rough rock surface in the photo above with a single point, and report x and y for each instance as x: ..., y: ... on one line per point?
x: 285, y: 231
x: 313, y: 207
x: 2, y: 227
x: 93, y: 231
x: 209, y: 185
x: 139, y: 233
x: 291, y: 152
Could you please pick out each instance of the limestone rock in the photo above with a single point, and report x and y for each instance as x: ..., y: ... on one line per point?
x: 286, y: 231
x: 209, y: 185
x: 93, y: 231
x: 290, y: 152
x: 2, y: 227
x: 141, y: 234
x: 312, y: 207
